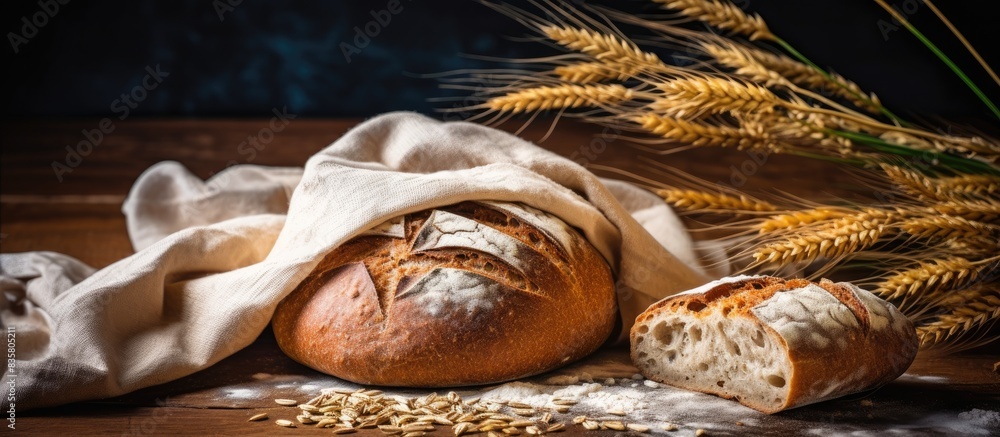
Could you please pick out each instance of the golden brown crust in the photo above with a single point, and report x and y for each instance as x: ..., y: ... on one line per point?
x: 369, y: 313
x: 829, y: 355
x: 737, y: 297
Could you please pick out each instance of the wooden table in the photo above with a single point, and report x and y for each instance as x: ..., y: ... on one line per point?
x: 80, y: 216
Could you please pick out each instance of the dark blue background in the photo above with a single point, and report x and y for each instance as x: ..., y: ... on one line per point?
x: 272, y: 54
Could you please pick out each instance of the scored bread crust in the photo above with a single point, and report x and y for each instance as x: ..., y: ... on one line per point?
x: 773, y: 344
x: 469, y: 294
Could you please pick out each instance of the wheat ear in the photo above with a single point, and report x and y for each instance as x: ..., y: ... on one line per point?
x: 979, y: 308
x: 560, y: 96
x: 590, y: 72
x: 609, y: 49
x: 912, y: 182
x: 722, y: 15
x: 848, y: 234
x: 703, y: 134
x: 799, y: 219
x: 948, y: 227
x: 692, y: 200
x: 712, y: 94
x: 976, y: 210
x: 744, y: 64
x: 944, y: 188
x: 927, y: 277
x: 970, y: 184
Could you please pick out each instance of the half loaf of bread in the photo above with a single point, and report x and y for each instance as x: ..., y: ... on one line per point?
x: 773, y: 344
x: 468, y: 294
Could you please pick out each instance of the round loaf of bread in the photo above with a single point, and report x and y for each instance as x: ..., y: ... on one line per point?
x: 773, y: 344
x: 473, y: 293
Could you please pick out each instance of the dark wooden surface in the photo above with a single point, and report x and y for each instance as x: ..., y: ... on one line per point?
x: 80, y: 216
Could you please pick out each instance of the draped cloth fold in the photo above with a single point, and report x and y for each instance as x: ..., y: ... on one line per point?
x: 213, y: 258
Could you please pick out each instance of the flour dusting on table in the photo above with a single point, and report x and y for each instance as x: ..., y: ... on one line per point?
x: 607, y: 382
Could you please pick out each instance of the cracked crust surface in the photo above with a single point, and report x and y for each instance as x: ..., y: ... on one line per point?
x: 467, y: 294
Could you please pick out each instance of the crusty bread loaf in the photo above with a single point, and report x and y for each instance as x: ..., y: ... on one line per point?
x: 773, y: 344
x: 473, y: 293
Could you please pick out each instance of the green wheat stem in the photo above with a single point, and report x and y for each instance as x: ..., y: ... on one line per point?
x: 943, y: 57
x: 957, y: 163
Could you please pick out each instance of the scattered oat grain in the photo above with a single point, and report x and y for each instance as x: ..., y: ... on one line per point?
x: 526, y: 412
x: 637, y: 427
x: 616, y: 425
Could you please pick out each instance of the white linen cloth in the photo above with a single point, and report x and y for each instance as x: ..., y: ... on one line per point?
x: 214, y: 258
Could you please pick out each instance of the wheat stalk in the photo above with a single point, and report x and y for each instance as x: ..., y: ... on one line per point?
x: 799, y: 219
x: 929, y: 248
x: 692, y: 200
x: 979, y: 308
x: 703, y: 134
x: 929, y: 276
x: 975, y: 210
x: 559, y: 96
x: 744, y: 64
x: 609, y: 49
x: 983, y: 148
x: 841, y: 236
x: 722, y: 15
x: 970, y: 184
x: 913, y: 183
x: 714, y: 95
x: 850, y: 91
x: 943, y: 188
x: 947, y: 227
x: 594, y: 71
